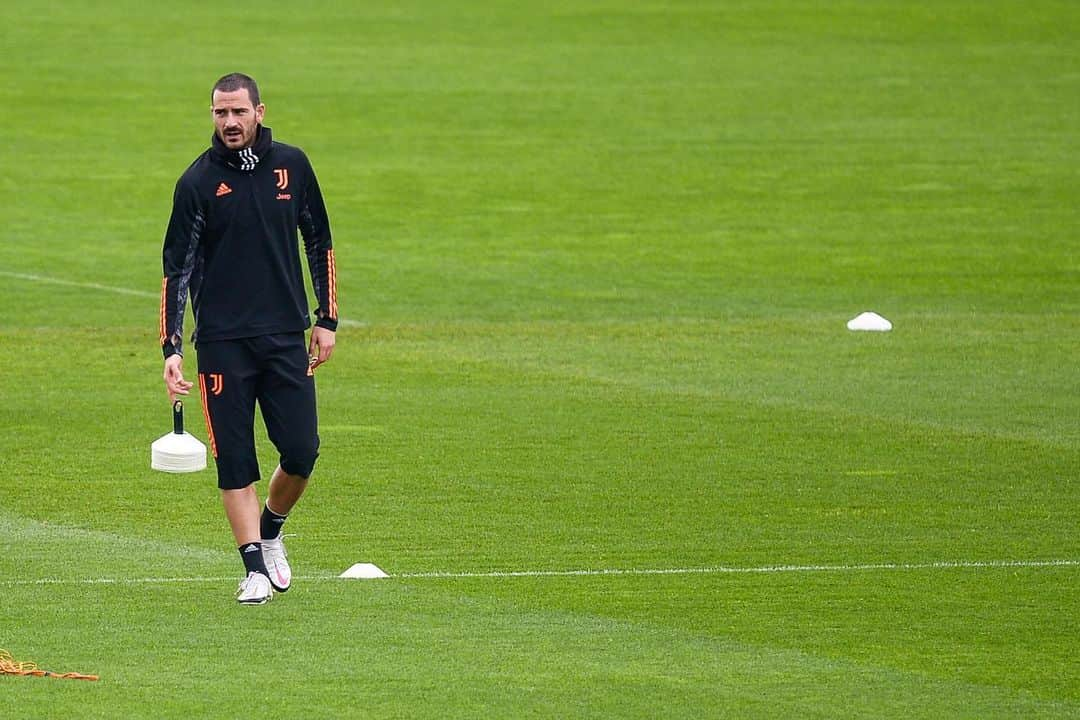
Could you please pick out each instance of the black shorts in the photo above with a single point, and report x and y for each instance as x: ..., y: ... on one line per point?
x: 272, y: 370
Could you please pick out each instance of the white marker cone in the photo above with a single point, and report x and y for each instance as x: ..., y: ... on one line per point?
x: 869, y: 321
x: 364, y: 571
x: 179, y: 451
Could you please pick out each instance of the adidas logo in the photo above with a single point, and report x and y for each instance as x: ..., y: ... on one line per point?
x: 251, y: 548
x: 223, y: 189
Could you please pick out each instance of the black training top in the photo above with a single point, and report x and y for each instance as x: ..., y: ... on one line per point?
x: 232, y: 241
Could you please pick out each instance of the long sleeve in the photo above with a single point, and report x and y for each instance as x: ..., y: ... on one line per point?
x: 179, y: 255
x: 315, y: 229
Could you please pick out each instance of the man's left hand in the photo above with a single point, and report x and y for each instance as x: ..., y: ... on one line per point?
x: 321, y: 346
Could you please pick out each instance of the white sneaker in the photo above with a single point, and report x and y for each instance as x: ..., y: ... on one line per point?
x: 277, y: 563
x: 254, y: 589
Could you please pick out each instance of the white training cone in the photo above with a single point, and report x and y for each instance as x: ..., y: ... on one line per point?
x: 869, y: 321
x: 179, y: 451
x: 363, y: 571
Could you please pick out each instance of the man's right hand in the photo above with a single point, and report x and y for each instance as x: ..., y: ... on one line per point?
x: 175, y: 383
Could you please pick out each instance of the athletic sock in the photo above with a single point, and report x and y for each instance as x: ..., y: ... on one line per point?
x: 252, y: 555
x: 270, y: 523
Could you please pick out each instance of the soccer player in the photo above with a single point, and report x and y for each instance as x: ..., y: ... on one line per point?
x: 232, y: 243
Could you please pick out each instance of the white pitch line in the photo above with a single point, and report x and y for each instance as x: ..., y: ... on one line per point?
x: 121, y: 290
x: 766, y: 569
x: 118, y: 581
x: 74, y: 283
x: 717, y: 570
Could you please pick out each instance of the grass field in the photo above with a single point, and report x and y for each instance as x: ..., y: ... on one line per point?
x: 596, y: 260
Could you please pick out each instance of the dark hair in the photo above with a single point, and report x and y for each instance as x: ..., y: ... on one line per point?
x: 237, y: 81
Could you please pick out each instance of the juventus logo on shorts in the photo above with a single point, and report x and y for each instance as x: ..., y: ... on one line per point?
x: 217, y: 384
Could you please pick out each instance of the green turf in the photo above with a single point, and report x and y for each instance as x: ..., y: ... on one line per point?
x: 596, y: 260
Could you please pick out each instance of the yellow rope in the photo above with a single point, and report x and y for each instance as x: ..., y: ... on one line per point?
x: 8, y: 666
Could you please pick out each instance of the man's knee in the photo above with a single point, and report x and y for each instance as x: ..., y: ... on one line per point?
x: 299, y: 459
x: 237, y: 470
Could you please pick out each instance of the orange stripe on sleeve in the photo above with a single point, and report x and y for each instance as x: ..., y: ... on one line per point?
x: 161, y: 319
x: 331, y: 265
x: 206, y: 414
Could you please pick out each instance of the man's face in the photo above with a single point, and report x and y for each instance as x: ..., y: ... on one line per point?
x: 235, y: 118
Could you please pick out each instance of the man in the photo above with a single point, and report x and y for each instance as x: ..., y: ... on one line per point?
x: 232, y: 242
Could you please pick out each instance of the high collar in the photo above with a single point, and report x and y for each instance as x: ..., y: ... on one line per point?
x: 247, y: 158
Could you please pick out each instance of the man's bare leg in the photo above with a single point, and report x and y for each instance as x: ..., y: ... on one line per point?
x: 285, y: 490
x: 242, y: 509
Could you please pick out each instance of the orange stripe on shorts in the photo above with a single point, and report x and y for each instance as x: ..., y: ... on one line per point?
x: 206, y: 414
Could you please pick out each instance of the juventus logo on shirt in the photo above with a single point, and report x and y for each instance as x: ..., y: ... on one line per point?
x: 282, y: 183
